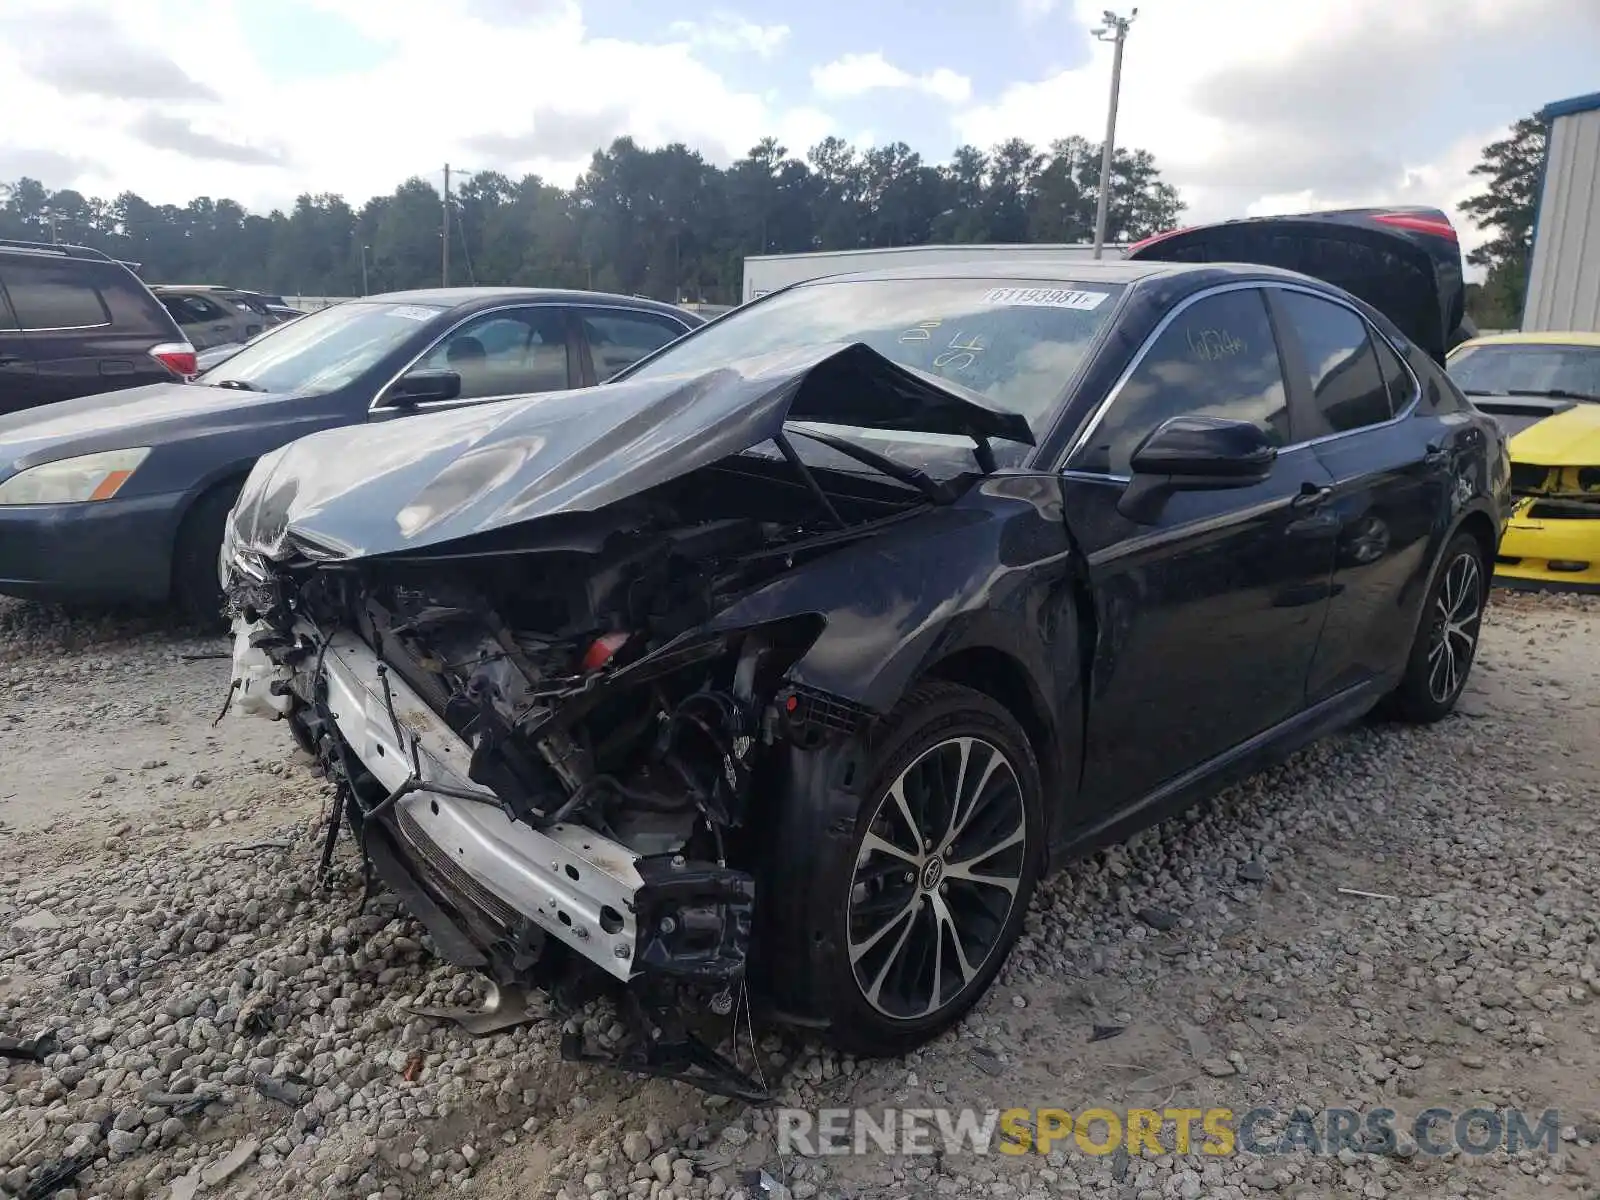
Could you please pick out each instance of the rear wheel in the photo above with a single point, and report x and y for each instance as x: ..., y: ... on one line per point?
x: 196, y: 590
x: 926, y: 897
x: 1447, y: 636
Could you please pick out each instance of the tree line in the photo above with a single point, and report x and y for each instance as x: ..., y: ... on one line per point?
x: 663, y: 223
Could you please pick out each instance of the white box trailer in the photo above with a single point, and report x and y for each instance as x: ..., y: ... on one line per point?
x: 765, y: 273
x: 1564, y: 277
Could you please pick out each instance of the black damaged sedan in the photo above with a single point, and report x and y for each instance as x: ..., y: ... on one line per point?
x: 795, y: 656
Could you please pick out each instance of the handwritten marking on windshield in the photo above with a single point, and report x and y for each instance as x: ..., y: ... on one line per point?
x: 960, y: 355
x: 921, y: 332
x: 1208, y: 345
x: 1046, y: 298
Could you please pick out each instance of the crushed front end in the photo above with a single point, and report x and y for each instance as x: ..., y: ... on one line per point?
x: 546, y: 652
x: 1553, y: 537
x: 544, y: 758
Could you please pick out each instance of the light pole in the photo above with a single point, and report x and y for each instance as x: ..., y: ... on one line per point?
x: 364, y: 250
x: 1113, y: 30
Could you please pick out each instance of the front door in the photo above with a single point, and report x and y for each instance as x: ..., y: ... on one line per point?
x: 512, y: 351
x: 1209, y: 614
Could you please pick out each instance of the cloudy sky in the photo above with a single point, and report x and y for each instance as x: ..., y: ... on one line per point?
x: 1250, y: 106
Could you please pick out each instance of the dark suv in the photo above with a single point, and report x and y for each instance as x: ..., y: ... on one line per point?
x: 74, y: 322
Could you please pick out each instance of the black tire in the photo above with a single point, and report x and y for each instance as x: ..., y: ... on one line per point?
x: 196, y: 590
x: 1447, y: 636
x: 921, y: 743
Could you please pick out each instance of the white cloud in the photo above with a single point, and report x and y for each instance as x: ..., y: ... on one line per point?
x: 1249, y: 102
x: 444, y: 80
x: 857, y: 74
x: 1036, y: 10
x: 732, y: 33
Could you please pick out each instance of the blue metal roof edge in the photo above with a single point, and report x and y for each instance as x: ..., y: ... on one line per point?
x: 1567, y: 108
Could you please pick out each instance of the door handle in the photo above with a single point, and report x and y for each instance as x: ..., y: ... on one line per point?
x: 1311, y: 496
x: 1435, y: 457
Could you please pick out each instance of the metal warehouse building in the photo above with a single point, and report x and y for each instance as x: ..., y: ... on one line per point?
x: 1564, y: 279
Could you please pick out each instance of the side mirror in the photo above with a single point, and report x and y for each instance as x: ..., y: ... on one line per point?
x: 1192, y: 453
x: 422, y: 387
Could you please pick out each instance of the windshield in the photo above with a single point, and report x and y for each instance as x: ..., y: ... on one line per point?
x: 1015, y: 342
x: 1528, y: 368
x: 322, y: 350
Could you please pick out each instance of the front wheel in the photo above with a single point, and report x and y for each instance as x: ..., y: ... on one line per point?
x: 1447, y: 636
x: 196, y: 589
x: 925, y: 898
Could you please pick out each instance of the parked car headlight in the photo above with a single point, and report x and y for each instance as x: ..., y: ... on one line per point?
x: 74, y: 480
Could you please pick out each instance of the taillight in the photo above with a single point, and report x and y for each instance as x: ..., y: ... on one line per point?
x: 177, y: 357
x: 1154, y: 238
x: 1417, y: 223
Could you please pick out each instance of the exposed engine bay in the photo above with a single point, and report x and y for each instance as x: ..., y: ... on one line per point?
x: 547, y: 651
x: 549, y: 749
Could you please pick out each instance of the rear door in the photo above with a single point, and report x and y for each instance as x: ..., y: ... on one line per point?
x: 19, y: 380
x: 70, y: 332
x: 1391, y: 469
x: 1405, y: 262
x: 1209, y: 614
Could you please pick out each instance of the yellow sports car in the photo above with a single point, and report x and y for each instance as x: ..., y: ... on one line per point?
x: 1544, y: 390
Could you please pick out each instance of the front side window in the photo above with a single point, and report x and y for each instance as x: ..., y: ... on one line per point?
x: 1528, y: 369
x: 1347, y: 390
x: 620, y: 339
x: 1217, y: 358
x: 324, y: 350
x: 510, y: 352
x: 48, y: 295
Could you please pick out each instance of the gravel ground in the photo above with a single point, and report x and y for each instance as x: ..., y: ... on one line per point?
x: 226, y: 1029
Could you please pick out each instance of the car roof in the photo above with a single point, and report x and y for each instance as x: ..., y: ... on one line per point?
x: 1540, y: 337
x: 1047, y: 270
x: 458, y: 297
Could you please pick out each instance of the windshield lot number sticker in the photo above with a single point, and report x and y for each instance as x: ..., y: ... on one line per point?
x: 413, y: 312
x: 1046, y: 298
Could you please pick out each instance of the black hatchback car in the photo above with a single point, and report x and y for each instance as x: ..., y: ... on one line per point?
x: 74, y: 322
x: 122, y: 496
x: 796, y: 656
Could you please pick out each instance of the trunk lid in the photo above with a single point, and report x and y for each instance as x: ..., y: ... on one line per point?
x: 1405, y: 262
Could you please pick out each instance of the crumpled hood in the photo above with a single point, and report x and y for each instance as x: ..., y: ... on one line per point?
x: 153, y: 415
x: 422, y: 481
x: 1568, y: 439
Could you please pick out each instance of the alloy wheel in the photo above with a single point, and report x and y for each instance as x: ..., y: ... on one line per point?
x: 936, y: 878
x: 1458, y: 612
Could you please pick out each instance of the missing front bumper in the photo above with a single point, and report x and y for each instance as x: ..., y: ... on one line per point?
x: 666, y: 917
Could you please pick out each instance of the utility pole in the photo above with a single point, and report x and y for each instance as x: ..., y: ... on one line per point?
x: 444, y: 240
x: 364, y: 250
x: 1115, y: 31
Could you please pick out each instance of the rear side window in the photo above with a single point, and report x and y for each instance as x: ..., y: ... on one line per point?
x: 53, y: 295
x: 1396, y: 379
x: 620, y: 339
x: 1347, y: 389
x: 191, y: 310
x: 1218, y: 358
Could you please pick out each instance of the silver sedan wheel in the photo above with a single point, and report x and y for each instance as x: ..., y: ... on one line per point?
x: 936, y: 878
x: 1457, y: 615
